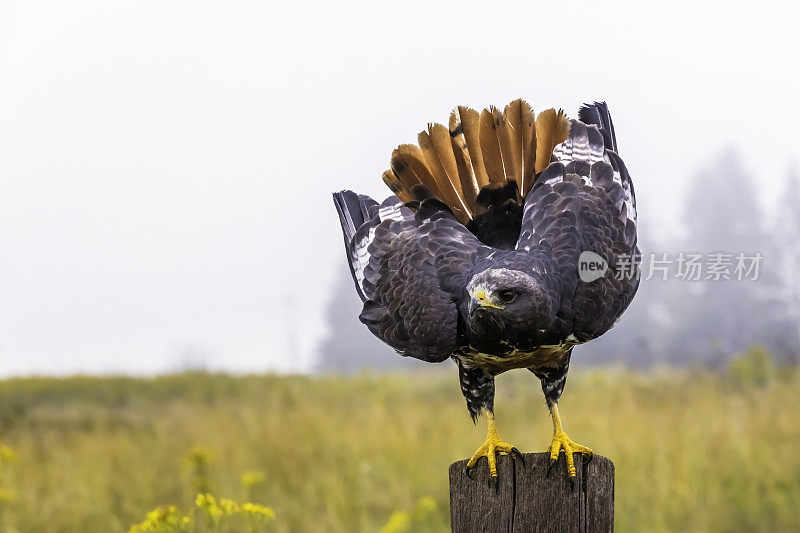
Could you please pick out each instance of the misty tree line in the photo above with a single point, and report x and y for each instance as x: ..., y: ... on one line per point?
x: 675, y: 321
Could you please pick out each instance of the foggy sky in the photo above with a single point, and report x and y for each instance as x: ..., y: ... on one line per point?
x: 166, y: 167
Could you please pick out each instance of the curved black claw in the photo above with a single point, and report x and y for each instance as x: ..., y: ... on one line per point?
x: 550, y: 466
x: 587, y: 458
x: 572, y: 483
x: 493, y: 484
x: 468, y: 472
x: 516, y: 453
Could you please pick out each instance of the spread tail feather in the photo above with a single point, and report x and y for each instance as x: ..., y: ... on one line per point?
x: 521, y: 119
x: 409, y: 167
x: 468, y: 120
x: 464, y: 164
x: 552, y: 128
x: 396, y: 186
x: 487, y: 149
x: 438, y: 152
x: 490, y: 146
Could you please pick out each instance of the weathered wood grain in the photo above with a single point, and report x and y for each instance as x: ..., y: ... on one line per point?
x: 526, y: 500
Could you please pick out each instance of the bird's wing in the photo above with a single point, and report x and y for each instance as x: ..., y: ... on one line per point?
x: 410, y: 270
x: 584, y: 201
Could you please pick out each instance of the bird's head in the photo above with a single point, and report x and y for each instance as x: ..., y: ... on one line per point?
x: 505, y: 302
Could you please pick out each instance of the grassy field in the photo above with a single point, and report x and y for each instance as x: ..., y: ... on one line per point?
x: 694, y: 451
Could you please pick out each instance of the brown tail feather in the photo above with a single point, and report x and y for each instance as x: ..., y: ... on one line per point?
x: 438, y: 152
x: 513, y: 113
x: 522, y: 120
x: 466, y: 175
x: 469, y: 119
x: 552, y: 128
x: 490, y: 147
x: 440, y: 138
x: 408, y: 164
x: 396, y: 186
x: 505, y: 138
x: 479, y: 150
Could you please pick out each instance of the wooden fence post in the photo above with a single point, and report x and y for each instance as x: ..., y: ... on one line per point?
x: 525, y: 500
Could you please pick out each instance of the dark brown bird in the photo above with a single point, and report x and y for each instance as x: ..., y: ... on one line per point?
x: 510, y: 240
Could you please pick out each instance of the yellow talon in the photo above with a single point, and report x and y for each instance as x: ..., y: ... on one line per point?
x: 562, y: 442
x: 492, y: 446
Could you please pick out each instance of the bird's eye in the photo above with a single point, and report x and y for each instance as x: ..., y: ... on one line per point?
x: 507, y: 296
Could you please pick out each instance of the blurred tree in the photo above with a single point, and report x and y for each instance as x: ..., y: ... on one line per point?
x: 717, y: 318
x: 787, y: 254
x: 753, y: 367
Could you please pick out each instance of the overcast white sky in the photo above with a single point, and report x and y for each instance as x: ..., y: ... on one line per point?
x: 166, y: 166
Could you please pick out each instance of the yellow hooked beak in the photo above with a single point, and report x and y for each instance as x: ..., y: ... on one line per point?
x: 480, y: 297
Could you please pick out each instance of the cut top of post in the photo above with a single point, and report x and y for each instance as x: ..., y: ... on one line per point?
x: 525, y: 499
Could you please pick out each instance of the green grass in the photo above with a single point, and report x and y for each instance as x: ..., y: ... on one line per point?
x: 693, y: 450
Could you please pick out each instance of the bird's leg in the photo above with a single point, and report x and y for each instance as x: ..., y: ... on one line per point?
x: 478, y: 389
x: 492, y: 446
x: 553, y: 381
x: 562, y: 442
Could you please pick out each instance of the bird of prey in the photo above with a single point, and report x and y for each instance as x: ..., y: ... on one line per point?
x: 509, y: 240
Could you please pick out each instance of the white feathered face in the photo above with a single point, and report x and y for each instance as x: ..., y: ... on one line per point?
x: 502, y: 298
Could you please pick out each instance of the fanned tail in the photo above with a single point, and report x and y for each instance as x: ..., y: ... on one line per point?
x: 438, y: 152
x: 479, y: 150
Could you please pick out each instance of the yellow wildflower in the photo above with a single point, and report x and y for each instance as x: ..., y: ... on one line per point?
x: 7, y: 454
x: 229, y: 507
x: 208, y: 504
x: 258, y: 511
x: 198, y: 463
x: 252, y: 478
x: 399, y: 522
x: 161, y: 520
x: 426, y: 505
x: 7, y: 495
